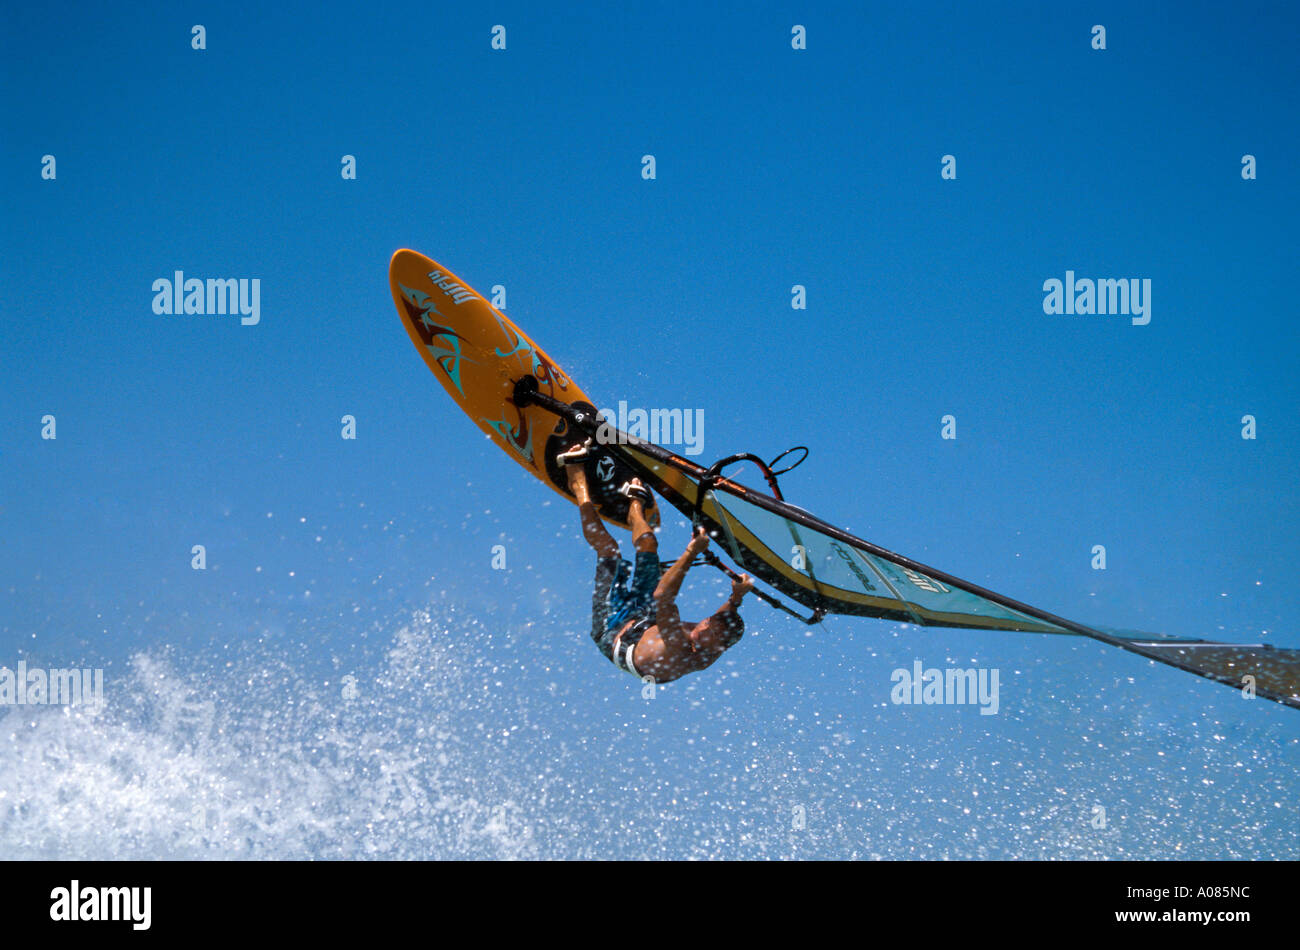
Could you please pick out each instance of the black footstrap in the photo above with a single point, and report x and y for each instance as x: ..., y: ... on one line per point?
x: 639, y: 492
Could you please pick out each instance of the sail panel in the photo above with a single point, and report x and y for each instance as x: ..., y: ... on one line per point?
x: 792, y: 551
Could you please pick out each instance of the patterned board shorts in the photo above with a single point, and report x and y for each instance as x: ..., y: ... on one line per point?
x: 614, y: 602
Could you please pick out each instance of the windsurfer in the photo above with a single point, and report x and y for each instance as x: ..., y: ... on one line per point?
x: 636, y: 625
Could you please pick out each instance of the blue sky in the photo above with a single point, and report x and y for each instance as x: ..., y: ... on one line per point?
x: 774, y: 167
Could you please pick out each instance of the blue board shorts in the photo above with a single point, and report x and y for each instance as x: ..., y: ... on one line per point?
x: 615, y: 601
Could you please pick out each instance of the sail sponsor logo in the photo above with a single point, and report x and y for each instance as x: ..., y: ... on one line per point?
x: 946, y: 687
x: 450, y: 286
x: 1105, y: 296
x: 847, y: 558
x: 684, y: 427
x: 215, y: 295
x: 40, y: 687
x: 925, y: 583
x: 75, y: 902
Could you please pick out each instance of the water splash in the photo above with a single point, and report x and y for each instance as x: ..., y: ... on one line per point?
x: 265, y: 765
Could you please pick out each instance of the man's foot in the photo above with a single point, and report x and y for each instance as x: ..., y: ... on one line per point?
x: 638, y: 495
x: 575, y: 454
x: 635, y: 490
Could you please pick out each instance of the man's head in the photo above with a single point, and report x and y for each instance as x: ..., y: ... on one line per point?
x: 720, y: 632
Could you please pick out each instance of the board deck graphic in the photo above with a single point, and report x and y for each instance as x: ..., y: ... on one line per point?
x: 479, y: 355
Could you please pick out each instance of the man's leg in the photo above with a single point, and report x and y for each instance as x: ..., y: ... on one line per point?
x: 593, y: 529
x: 648, y: 570
x: 643, y: 536
x: 607, y: 559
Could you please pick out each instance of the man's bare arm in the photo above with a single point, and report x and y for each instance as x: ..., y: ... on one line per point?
x: 739, y: 589
x: 667, y: 619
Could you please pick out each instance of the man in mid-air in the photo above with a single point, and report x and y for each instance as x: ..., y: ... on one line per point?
x: 636, y: 625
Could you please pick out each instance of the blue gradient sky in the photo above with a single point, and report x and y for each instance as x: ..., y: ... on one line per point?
x: 775, y: 167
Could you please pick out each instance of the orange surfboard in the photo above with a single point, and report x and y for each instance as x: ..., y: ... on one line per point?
x: 478, y: 355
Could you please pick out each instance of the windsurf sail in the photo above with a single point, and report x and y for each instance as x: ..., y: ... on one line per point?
x: 828, y: 570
